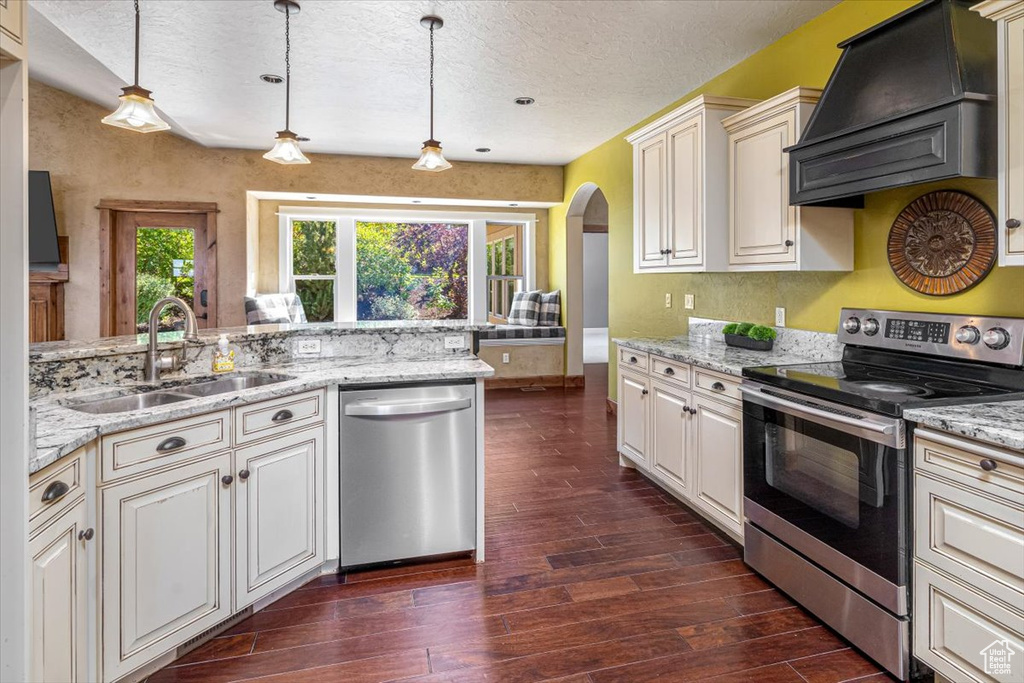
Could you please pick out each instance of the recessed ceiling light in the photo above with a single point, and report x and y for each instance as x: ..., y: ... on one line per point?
x: 271, y: 78
x: 513, y: 204
x: 524, y: 100
x: 311, y: 196
x: 417, y: 201
x: 301, y: 138
x: 483, y: 150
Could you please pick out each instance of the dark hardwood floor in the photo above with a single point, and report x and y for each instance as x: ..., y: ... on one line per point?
x: 593, y: 575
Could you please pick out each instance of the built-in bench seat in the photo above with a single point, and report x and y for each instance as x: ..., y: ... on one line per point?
x: 503, y: 335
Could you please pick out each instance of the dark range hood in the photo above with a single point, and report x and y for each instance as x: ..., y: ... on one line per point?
x: 911, y: 100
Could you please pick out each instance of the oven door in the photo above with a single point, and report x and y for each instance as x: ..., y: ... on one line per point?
x: 831, y: 482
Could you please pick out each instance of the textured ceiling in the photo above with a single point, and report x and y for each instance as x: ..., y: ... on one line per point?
x: 359, y: 68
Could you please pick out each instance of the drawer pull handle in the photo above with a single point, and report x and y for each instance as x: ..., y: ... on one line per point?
x: 86, y: 535
x: 282, y: 416
x: 244, y: 474
x: 55, y: 492
x: 988, y: 465
x: 632, y: 359
x: 171, y: 444
x: 669, y: 371
x: 227, y: 479
x: 718, y: 386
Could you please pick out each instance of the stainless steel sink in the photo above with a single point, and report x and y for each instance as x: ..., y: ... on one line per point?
x: 233, y: 383
x: 151, y: 399
x: 124, y: 404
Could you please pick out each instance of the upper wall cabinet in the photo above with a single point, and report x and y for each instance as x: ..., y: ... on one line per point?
x: 680, y: 209
x: 12, y: 27
x: 1009, y: 15
x: 764, y: 231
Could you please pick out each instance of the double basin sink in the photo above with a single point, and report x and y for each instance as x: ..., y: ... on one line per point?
x: 151, y: 398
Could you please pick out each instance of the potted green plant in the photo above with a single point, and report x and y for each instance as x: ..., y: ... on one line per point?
x: 749, y: 336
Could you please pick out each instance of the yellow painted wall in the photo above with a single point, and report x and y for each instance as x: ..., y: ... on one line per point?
x: 812, y: 300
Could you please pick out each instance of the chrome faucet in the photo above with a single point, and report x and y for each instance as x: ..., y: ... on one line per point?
x: 156, y: 363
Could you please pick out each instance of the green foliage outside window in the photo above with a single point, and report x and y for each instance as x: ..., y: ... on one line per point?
x: 164, y: 265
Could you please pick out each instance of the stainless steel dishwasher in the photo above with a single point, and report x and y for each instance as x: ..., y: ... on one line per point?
x: 408, y: 472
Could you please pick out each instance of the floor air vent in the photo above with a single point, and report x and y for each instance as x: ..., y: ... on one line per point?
x: 198, y: 640
x: 532, y: 389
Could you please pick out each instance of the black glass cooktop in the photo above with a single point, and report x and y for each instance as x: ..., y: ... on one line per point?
x: 893, y: 386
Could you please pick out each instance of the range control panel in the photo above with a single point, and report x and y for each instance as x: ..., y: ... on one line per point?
x: 991, y: 340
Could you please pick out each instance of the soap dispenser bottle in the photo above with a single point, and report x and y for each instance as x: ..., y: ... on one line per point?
x: 223, y: 355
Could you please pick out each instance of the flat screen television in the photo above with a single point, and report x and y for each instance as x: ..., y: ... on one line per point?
x: 43, y: 252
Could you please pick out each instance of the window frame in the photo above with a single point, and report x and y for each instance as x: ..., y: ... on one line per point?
x: 345, y: 221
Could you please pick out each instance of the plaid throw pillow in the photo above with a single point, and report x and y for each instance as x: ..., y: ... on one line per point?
x: 525, y: 308
x: 550, y: 309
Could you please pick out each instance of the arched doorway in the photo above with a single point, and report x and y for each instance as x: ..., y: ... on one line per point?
x: 587, y: 213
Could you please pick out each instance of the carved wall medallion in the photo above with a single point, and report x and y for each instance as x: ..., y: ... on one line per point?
x: 942, y: 243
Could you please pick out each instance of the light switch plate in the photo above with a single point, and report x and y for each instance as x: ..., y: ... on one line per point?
x: 780, y: 317
x: 668, y: 299
x: 455, y: 342
x: 307, y: 347
x: 688, y: 301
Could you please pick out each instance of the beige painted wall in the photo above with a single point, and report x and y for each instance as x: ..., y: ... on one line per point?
x: 89, y: 161
x: 269, y: 225
x: 525, y: 361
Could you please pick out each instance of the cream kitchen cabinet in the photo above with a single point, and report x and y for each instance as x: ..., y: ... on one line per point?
x: 679, y: 181
x: 13, y: 16
x: 633, y: 413
x: 1009, y: 16
x: 279, y: 515
x: 718, y: 461
x: 165, y: 563
x: 764, y: 231
x: 59, y: 598
x: 670, y: 433
x: 968, y: 554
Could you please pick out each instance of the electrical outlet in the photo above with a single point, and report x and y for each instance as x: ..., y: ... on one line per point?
x: 668, y: 299
x: 505, y: 357
x: 688, y: 301
x: 455, y: 342
x: 307, y: 347
x: 780, y: 317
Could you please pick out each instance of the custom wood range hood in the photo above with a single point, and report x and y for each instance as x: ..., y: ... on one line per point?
x: 911, y: 100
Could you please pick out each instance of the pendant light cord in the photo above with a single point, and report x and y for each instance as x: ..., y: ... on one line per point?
x: 287, y: 68
x: 136, y: 43
x: 431, y: 79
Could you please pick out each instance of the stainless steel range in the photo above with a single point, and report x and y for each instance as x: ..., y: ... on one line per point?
x: 827, y: 463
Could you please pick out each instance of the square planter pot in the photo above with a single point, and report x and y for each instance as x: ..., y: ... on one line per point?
x: 744, y: 342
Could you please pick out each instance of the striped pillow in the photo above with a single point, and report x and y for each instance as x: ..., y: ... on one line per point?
x: 525, y: 308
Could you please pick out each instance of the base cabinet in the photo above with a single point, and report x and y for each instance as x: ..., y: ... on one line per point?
x: 59, y: 599
x: 633, y: 414
x: 279, y: 520
x: 718, y: 460
x: 166, y: 561
x: 670, y: 433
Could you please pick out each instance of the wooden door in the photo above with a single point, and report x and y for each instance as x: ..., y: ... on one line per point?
x: 670, y: 434
x: 120, y: 223
x: 633, y: 391
x: 59, y: 600
x: 650, y: 203
x: 279, y: 513
x: 762, y: 224
x: 166, y: 561
x: 686, y: 190
x: 718, y: 461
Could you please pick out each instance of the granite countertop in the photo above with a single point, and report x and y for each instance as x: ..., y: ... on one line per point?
x: 60, y: 430
x: 1000, y: 423
x: 711, y: 353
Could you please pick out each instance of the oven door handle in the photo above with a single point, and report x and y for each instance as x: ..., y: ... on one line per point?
x: 888, y: 429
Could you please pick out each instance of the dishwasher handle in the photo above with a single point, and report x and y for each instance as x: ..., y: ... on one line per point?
x: 375, y: 408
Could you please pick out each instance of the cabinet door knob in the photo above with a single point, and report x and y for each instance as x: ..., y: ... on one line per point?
x: 227, y: 479
x: 171, y: 444
x: 988, y: 465
x: 86, y: 534
x: 282, y: 416
x: 644, y: 392
x: 1012, y: 223
x: 691, y: 411
x: 55, y: 492
x: 718, y: 386
x: 244, y: 474
x: 669, y: 371
x: 789, y: 243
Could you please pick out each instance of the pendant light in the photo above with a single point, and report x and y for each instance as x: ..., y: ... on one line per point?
x: 136, y: 111
x: 286, y: 148
x: 431, y: 158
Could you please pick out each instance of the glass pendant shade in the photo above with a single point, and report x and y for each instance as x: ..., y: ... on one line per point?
x: 431, y: 158
x: 136, y: 112
x: 286, y: 150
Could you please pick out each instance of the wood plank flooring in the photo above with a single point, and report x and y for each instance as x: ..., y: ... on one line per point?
x: 593, y: 575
